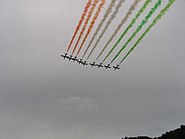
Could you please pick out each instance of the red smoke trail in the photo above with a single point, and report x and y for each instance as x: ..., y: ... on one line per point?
x: 92, y: 24
x: 85, y: 24
x: 80, y: 23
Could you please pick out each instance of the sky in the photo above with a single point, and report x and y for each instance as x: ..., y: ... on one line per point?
x: 43, y: 96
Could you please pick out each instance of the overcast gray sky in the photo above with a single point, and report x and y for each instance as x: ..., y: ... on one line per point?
x: 45, y: 97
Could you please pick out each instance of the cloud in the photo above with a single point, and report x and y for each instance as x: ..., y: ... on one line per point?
x: 43, y: 96
x: 78, y: 103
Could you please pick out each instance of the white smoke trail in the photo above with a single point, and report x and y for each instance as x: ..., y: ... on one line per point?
x: 106, y: 15
x: 120, y: 3
x: 123, y: 21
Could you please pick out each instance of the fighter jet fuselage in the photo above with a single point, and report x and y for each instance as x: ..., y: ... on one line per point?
x: 100, y: 65
x: 116, y: 67
x: 107, y: 66
x: 93, y: 64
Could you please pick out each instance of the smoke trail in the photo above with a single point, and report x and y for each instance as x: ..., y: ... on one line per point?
x: 92, y: 24
x: 80, y: 23
x: 162, y: 13
x: 127, y: 29
x: 85, y: 24
x: 156, y: 6
x: 106, y: 15
x: 120, y: 3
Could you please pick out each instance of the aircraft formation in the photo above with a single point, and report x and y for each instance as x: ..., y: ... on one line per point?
x: 84, y: 63
x: 110, y: 55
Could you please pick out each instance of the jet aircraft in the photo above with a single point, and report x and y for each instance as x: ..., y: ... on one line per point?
x: 93, y: 64
x: 69, y: 58
x: 74, y: 59
x: 84, y: 63
x: 99, y: 65
x: 80, y: 61
x: 116, y: 67
x: 107, y: 66
x: 65, y: 56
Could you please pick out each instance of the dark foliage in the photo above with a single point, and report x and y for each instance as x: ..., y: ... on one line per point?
x: 175, y: 134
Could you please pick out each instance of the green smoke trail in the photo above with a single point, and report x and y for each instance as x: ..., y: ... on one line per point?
x: 126, y: 30
x: 123, y: 21
x: 158, y: 3
x: 162, y: 13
